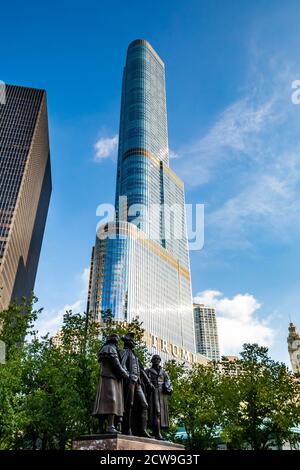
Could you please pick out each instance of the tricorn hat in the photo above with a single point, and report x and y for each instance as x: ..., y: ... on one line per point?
x: 112, y: 336
x: 128, y: 337
x: 155, y: 356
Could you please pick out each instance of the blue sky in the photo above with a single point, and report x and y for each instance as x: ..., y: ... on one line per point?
x: 233, y: 130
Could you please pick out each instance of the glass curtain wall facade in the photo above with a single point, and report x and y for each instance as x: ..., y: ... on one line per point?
x: 141, y: 261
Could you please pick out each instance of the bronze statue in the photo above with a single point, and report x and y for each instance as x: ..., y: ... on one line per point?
x: 158, y: 400
x: 109, y: 403
x: 134, y: 396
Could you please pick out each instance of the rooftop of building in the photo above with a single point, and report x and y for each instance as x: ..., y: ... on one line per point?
x: 144, y: 42
x: 10, y: 85
x: 202, y: 306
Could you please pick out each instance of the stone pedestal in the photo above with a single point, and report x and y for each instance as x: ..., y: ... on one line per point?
x: 122, y: 442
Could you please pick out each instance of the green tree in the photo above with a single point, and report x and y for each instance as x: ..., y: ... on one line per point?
x: 46, y: 390
x: 261, y: 404
x: 16, y: 323
x: 175, y: 371
x: 252, y: 403
x: 196, y: 403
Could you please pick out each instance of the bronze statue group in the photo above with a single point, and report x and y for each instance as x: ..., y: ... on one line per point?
x: 131, y: 399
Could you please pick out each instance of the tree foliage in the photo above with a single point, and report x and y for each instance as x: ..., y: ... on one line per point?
x: 47, y: 390
x: 253, y: 403
x: 263, y: 402
x: 196, y: 403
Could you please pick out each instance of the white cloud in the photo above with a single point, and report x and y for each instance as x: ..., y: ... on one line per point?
x: 51, y: 320
x: 250, y: 156
x: 238, y: 320
x: 85, y: 277
x: 268, y: 203
x: 231, y: 137
x: 173, y: 155
x: 106, y: 147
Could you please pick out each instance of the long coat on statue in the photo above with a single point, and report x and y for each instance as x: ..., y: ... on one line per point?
x: 109, y: 398
x: 158, y: 398
x: 134, y: 390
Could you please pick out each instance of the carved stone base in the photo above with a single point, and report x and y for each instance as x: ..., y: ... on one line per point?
x: 122, y: 442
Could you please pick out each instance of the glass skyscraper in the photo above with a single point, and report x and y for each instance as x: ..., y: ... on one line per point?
x: 141, y: 260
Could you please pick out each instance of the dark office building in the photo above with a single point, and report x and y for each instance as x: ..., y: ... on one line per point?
x: 25, y: 188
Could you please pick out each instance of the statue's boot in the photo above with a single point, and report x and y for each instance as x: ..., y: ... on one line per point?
x: 110, y: 425
x: 157, y: 434
x: 144, y: 419
x: 112, y: 430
